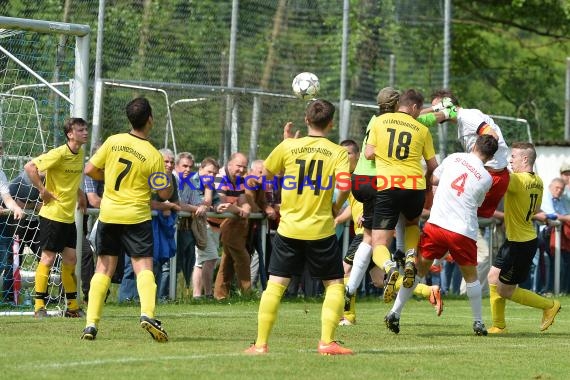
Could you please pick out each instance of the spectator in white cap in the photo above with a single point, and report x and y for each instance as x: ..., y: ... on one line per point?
x: 565, y: 175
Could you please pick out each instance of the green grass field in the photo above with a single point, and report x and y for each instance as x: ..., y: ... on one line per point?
x: 207, y: 340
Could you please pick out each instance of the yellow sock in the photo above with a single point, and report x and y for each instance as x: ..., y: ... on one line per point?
x: 350, y: 314
x: 412, y: 237
x: 69, y: 285
x: 332, y: 311
x: 528, y: 298
x: 497, y: 307
x: 423, y: 290
x: 42, y: 275
x: 268, y: 308
x: 146, y: 286
x: 97, y: 292
x: 380, y: 256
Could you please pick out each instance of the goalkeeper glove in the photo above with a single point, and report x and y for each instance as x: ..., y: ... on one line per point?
x: 450, y: 113
x: 445, y: 103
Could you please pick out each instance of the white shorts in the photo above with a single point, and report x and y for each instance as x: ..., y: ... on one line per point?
x: 211, y: 251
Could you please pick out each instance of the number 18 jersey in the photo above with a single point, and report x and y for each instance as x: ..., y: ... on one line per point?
x: 400, y: 142
x: 310, y: 166
x: 129, y: 162
x: 463, y: 183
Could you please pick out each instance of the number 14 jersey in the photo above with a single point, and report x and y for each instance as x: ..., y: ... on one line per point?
x: 310, y: 167
x: 463, y: 183
x: 129, y: 163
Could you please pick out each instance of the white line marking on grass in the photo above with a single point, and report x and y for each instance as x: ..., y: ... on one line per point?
x: 126, y: 360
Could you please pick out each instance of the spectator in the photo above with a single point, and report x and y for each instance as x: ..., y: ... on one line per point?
x: 235, y: 257
x: 26, y: 197
x: 6, y: 236
x: 164, y: 228
x: 185, y: 242
x: 554, y: 206
x: 565, y: 175
x: 255, y: 192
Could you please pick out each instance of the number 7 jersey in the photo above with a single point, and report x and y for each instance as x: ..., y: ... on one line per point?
x: 310, y: 166
x: 463, y: 183
x: 128, y: 162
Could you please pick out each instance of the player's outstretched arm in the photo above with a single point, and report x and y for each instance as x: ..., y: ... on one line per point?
x: 94, y: 172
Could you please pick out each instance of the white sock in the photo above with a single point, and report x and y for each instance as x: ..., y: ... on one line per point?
x: 400, y: 234
x: 404, y: 294
x: 359, y: 265
x: 474, y: 294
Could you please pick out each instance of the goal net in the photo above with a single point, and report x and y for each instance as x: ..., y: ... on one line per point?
x: 39, y: 88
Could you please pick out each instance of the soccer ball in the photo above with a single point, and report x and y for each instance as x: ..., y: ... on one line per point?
x: 306, y: 86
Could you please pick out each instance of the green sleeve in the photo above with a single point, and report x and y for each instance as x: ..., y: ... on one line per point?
x: 428, y: 119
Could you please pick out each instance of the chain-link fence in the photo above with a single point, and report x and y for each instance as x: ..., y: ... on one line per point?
x: 230, y: 51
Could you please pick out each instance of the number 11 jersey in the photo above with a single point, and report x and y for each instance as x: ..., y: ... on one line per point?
x: 130, y: 165
x: 310, y: 167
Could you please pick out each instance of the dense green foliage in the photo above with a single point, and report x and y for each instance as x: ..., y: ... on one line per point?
x: 508, y: 57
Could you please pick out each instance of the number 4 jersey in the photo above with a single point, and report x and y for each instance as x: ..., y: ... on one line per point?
x: 463, y: 183
x: 310, y: 167
x: 129, y: 162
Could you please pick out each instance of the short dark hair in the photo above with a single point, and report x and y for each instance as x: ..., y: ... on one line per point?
x: 487, y: 145
x: 350, y: 143
x: 69, y: 123
x: 529, y: 147
x: 138, y: 112
x: 320, y: 113
x: 210, y: 161
x: 411, y: 97
x: 445, y: 93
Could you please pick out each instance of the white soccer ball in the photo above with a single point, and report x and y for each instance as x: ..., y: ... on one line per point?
x: 306, y: 86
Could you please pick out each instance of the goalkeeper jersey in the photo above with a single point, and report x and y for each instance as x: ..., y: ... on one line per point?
x: 470, y: 124
x: 64, y: 171
x: 128, y: 161
x: 310, y: 165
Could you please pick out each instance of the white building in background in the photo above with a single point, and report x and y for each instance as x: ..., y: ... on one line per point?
x: 548, y: 161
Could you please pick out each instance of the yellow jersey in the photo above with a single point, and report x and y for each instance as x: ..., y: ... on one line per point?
x: 522, y: 200
x: 356, y: 211
x: 129, y: 162
x: 63, y: 170
x: 310, y: 167
x: 400, y: 143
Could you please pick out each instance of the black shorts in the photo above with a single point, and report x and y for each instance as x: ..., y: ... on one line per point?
x: 365, y: 193
x: 55, y: 236
x: 351, y: 251
x: 390, y: 203
x: 514, y: 260
x: 323, y: 257
x: 136, y: 240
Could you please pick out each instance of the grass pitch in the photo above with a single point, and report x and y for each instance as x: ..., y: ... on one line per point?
x: 207, y: 340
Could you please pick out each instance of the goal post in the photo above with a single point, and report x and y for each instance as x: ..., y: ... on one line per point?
x: 81, y: 34
x: 44, y: 79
